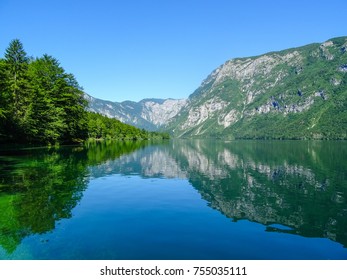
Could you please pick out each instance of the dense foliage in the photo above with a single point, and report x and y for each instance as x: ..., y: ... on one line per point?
x: 41, y: 103
x: 101, y: 127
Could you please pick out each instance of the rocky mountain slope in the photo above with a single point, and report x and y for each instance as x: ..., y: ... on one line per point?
x: 149, y: 114
x: 299, y: 93
x: 296, y: 93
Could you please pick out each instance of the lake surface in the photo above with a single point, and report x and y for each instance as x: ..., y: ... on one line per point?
x: 180, y: 199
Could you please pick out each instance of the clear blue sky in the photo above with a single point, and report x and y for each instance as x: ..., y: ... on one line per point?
x: 129, y: 50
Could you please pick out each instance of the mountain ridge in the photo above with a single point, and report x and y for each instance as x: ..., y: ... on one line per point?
x: 148, y: 113
x: 296, y: 93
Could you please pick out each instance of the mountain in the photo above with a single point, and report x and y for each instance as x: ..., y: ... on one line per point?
x: 149, y: 114
x: 296, y: 93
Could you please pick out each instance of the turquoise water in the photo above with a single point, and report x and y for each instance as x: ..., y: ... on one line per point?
x: 175, y: 200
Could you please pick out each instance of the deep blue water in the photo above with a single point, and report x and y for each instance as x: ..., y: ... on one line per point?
x: 177, y: 200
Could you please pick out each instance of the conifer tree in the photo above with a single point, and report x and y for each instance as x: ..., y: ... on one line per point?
x: 17, y: 89
x: 16, y: 63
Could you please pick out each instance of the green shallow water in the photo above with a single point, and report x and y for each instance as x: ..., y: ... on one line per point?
x: 175, y: 200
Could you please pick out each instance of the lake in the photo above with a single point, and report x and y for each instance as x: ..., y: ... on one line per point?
x: 180, y: 199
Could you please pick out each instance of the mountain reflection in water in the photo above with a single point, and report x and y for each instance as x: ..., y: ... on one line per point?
x: 291, y: 187
x: 298, y: 184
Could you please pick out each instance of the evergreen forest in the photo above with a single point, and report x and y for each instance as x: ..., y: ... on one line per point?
x: 42, y: 104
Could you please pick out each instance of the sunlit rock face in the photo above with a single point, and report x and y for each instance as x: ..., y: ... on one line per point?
x: 149, y: 114
x: 292, y: 93
x: 299, y: 93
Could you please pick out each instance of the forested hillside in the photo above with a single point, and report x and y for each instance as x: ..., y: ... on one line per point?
x: 41, y: 103
x: 102, y: 127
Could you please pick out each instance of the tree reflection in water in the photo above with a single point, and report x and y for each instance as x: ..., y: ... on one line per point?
x: 40, y: 186
x: 293, y: 187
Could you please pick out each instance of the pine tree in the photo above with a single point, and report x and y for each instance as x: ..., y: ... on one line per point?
x: 17, y: 62
x: 17, y: 89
